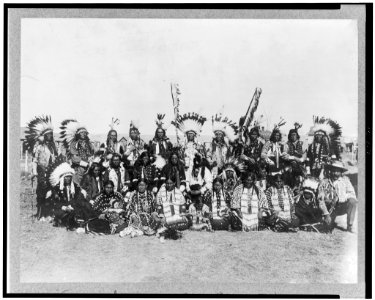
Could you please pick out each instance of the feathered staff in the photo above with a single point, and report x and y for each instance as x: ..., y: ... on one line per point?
x: 246, y: 120
x: 175, y: 92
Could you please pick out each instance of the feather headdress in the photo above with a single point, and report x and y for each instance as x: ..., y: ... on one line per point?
x: 229, y: 128
x: 36, y: 129
x: 134, y: 125
x: 233, y: 163
x: 115, y: 122
x: 69, y: 129
x: 282, y: 122
x: 332, y: 130
x: 61, y: 171
x: 189, y: 122
x: 310, y: 184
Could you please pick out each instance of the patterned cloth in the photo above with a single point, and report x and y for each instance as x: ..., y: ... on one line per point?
x: 132, y: 156
x: 338, y: 191
x: 281, y: 201
x: 273, y: 154
x: 170, y: 200
x: 216, y: 203
x: 317, y: 154
x: 189, y: 150
x: 295, y: 149
x: 142, y: 202
x: 160, y: 147
x: 248, y: 202
x: 253, y: 150
x: 218, y: 153
x: 205, y: 182
x: 81, y: 150
x: 147, y: 172
x: 119, y: 176
x: 104, y: 201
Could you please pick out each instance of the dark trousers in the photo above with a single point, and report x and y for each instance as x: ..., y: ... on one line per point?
x: 349, y: 208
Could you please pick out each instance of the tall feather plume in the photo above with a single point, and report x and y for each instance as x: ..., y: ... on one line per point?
x: 297, y: 126
x: 115, y: 122
x: 159, y: 120
x: 282, y: 122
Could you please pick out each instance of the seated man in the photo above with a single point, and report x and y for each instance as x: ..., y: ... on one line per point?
x: 338, y: 193
x: 309, y: 212
x: 248, y: 203
x: 70, y: 207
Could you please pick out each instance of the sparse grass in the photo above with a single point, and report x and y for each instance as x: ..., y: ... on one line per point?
x: 50, y: 254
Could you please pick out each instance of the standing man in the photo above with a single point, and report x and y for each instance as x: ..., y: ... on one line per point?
x: 225, y: 131
x: 39, y: 139
x: 80, y: 150
x: 160, y: 145
x: 326, y: 143
x: 111, y: 146
x: 134, y: 147
x: 191, y: 126
x: 274, y: 151
x: 338, y: 193
x: 252, y: 150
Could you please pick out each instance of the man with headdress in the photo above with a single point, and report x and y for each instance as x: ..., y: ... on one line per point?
x: 231, y: 174
x: 75, y: 138
x: 39, y: 139
x: 160, y: 145
x: 117, y: 174
x: 112, y: 145
x: 311, y: 210
x: 225, y: 131
x: 134, y: 147
x: 191, y: 126
x: 326, y: 143
x: 338, y: 193
x: 274, y: 151
x: 69, y: 204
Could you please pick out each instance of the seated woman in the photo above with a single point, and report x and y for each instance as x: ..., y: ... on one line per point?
x: 248, y: 204
x: 70, y: 208
x: 216, y: 206
x: 144, y: 170
x: 198, y: 181
x: 92, y: 182
x: 109, y: 205
x: 142, y: 209
x: 280, y: 204
x: 171, y: 207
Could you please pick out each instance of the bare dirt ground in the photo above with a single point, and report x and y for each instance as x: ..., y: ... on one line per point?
x: 50, y: 254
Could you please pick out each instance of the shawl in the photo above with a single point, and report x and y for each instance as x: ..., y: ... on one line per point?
x: 104, y: 201
x: 144, y: 202
x: 281, y: 201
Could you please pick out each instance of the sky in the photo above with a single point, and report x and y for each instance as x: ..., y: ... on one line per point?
x: 96, y: 69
